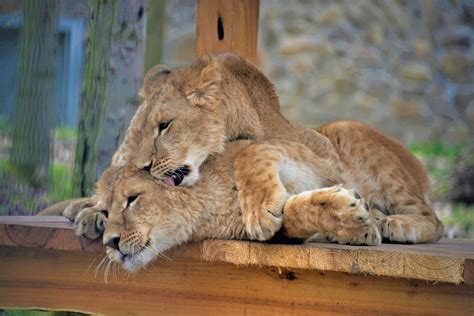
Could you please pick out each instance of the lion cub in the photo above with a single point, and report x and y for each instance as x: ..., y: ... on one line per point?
x: 191, y: 113
x: 147, y: 216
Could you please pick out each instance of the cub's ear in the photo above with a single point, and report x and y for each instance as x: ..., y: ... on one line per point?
x: 150, y: 78
x: 205, y: 89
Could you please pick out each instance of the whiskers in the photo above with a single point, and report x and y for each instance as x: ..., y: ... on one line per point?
x: 143, y: 255
x: 148, y: 253
x: 106, y: 264
x: 169, y: 167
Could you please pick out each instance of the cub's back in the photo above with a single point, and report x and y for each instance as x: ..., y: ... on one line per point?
x: 354, y: 139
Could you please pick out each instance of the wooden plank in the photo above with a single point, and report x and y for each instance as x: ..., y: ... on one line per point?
x: 38, y: 221
x: 227, y: 26
x: 469, y: 271
x: 450, y: 260
x: 65, y: 281
x: 423, y: 264
x: 49, y: 232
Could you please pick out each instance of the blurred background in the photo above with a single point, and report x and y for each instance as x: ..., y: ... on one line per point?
x: 71, y: 71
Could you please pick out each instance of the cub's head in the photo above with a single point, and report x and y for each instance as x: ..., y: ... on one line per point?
x: 145, y: 218
x: 181, y: 121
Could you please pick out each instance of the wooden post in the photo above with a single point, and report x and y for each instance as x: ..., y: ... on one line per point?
x: 227, y: 26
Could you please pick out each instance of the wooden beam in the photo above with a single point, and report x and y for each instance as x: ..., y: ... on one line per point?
x: 48, y: 232
x: 59, y: 280
x: 450, y: 260
x: 227, y: 26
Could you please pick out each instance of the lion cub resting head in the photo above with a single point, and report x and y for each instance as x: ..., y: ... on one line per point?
x: 144, y: 219
x: 147, y: 217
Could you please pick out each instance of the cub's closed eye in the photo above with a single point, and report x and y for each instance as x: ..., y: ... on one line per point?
x: 132, y: 199
x: 163, y: 125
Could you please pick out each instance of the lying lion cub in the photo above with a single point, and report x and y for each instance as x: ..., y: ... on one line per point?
x: 192, y: 113
x: 147, y: 216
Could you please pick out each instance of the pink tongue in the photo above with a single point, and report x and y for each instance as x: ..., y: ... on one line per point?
x: 169, y: 181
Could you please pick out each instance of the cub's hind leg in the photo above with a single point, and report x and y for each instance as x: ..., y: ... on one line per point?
x: 267, y: 172
x: 411, y: 221
x: 389, y: 177
x: 333, y: 213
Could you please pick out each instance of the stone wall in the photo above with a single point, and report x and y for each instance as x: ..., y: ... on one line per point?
x: 405, y: 67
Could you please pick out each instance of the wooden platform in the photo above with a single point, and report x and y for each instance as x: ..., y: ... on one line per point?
x: 44, y: 265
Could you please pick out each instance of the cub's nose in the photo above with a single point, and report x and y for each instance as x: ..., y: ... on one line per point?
x: 114, y: 243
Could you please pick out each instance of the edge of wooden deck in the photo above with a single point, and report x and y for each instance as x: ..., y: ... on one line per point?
x: 450, y: 260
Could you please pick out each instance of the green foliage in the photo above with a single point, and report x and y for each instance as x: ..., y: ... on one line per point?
x: 461, y: 216
x: 437, y: 150
x: 60, y: 187
x: 64, y: 133
x: 439, y: 161
x: 5, y: 126
x: 19, y: 198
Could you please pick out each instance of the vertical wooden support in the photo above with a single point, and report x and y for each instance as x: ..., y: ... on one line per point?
x: 227, y: 26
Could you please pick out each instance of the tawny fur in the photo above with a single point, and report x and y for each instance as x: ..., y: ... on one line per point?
x: 243, y: 103
x: 147, y: 217
x: 225, y: 98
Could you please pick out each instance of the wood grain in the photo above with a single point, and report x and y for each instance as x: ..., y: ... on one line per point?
x: 421, y: 262
x: 50, y: 279
x: 450, y: 260
x: 49, y: 232
x: 239, y: 20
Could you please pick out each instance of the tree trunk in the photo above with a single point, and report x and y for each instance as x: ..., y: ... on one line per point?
x: 125, y: 78
x: 33, y: 118
x: 155, y: 16
x: 93, y: 93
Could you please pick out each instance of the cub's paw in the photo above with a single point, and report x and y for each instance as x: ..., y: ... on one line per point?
x: 262, y: 212
x: 74, y: 208
x: 334, y: 211
x: 345, y: 214
x: 90, y: 222
x: 370, y: 238
x: 400, y: 228
x: 352, y: 214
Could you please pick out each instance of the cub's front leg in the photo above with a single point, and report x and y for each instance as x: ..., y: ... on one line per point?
x: 334, y: 213
x: 89, y: 217
x: 261, y: 193
x: 267, y: 172
x: 71, y: 210
x: 90, y: 222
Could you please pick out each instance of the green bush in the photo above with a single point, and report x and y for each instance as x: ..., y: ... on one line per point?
x: 439, y: 161
x: 19, y: 198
